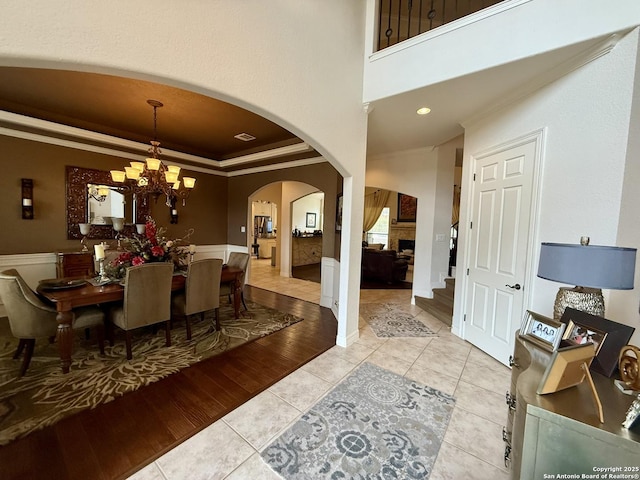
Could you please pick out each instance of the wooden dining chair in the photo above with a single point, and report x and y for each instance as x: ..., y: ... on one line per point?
x: 239, y: 260
x: 201, y: 293
x: 147, y: 300
x: 30, y: 318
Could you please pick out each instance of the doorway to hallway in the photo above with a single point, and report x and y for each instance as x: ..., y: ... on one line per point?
x: 263, y: 275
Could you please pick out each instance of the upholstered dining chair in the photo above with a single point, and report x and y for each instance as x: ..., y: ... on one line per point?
x: 147, y: 300
x: 30, y: 318
x: 201, y: 293
x: 239, y: 260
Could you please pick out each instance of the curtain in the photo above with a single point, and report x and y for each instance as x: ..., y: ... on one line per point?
x: 455, y: 212
x: 373, y: 205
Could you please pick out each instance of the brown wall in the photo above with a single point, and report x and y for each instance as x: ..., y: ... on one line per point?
x: 322, y: 176
x: 206, y: 210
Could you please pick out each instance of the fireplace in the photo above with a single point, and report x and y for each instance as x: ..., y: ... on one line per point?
x: 404, y: 244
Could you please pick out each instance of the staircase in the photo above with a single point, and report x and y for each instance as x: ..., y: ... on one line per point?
x: 441, y: 305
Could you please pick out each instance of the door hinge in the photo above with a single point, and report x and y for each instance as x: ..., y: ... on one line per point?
x: 467, y: 271
x: 464, y: 317
x: 470, y: 225
x: 474, y: 177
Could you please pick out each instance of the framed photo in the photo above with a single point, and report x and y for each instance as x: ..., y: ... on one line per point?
x: 565, y: 368
x: 607, y: 336
x: 311, y: 220
x: 339, y: 214
x: 577, y: 334
x: 407, y: 208
x: 543, y: 331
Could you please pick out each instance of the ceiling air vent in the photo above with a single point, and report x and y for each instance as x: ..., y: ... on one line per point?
x: 245, y: 137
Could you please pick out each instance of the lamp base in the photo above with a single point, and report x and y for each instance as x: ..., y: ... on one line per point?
x: 585, y: 299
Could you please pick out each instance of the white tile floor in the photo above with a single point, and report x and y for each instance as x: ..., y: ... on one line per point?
x: 472, y: 447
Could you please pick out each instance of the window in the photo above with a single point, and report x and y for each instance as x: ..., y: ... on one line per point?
x: 379, y: 233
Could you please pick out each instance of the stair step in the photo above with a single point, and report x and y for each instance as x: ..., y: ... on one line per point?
x: 444, y: 296
x: 436, y: 308
x: 450, y: 284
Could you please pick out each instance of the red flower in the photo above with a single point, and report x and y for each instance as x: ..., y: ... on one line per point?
x: 157, y: 251
x: 137, y: 261
x: 123, y: 258
x: 150, y: 231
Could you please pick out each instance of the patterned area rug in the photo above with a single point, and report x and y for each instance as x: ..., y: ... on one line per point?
x: 375, y: 424
x: 45, y: 395
x: 393, y: 320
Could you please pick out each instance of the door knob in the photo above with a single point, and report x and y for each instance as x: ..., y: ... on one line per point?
x: 515, y: 287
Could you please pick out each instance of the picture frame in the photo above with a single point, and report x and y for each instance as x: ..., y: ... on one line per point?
x: 612, y: 337
x: 407, y: 208
x: 339, y: 213
x: 543, y: 331
x: 311, y: 220
x: 565, y: 368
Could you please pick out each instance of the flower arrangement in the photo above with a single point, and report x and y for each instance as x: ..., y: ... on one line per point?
x: 151, y: 246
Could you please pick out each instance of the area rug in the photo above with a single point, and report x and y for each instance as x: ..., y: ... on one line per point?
x: 392, y: 320
x: 374, y: 424
x: 45, y: 395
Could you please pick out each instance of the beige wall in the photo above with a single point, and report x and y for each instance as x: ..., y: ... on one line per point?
x: 205, y: 212
x: 322, y: 176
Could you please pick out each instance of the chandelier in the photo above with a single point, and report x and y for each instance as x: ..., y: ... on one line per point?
x: 152, y: 177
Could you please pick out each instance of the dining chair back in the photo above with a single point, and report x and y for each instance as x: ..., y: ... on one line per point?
x: 30, y: 318
x: 147, y: 300
x: 202, y: 291
x: 239, y: 260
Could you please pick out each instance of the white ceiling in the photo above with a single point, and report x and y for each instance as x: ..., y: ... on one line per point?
x: 394, y: 124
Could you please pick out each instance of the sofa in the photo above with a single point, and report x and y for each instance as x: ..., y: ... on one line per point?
x: 383, y: 266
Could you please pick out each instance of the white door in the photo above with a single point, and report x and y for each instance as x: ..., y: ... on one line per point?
x: 499, y: 232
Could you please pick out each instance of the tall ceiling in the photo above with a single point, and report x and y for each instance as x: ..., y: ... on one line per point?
x: 203, y: 129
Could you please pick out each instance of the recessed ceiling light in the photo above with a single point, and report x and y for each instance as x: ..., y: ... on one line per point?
x: 245, y: 137
x: 423, y: 111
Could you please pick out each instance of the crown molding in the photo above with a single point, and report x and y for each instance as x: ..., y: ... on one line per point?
x: 117, y: 145
x: 278, y: 166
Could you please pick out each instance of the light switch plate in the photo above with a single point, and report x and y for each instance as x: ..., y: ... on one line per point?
x: 243, y: 229
x: 440, y: 237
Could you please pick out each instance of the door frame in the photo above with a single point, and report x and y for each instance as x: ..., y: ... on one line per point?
x: 538, y: 137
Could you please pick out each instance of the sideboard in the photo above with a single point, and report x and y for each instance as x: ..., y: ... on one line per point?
x: 560, y: 433
x: 75, y: 264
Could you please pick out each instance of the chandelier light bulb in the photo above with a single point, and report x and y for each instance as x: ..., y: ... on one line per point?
x: 138, y: 166
x: 117, y: 176
x: 153, y: 164
x: 189, y: 182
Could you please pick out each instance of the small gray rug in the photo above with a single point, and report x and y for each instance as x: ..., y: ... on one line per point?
x: 389, y: 320
x: 374, y: 424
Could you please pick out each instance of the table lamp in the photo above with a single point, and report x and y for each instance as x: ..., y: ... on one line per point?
x: 591, y: 268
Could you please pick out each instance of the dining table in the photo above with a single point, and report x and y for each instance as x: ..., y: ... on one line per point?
x: 69, y: 293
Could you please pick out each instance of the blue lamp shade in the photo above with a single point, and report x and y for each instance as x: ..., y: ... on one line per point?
x: 593, y: 266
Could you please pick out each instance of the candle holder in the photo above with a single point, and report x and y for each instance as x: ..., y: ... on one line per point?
x: 103, y: 278
x: 118, y: 226
x: 84, y: 230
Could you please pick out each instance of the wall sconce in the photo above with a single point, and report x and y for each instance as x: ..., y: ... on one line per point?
x: 27, y: 198
x: 173, y: 212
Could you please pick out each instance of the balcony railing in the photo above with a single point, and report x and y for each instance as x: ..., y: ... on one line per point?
x: 400, y: 20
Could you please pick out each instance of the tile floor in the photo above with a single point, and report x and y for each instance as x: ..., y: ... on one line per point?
x: 472, y: 447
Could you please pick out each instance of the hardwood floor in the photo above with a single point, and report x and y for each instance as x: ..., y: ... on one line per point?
x: 116, y: 439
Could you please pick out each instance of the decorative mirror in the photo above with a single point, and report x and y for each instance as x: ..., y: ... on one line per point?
x: 93, y: 198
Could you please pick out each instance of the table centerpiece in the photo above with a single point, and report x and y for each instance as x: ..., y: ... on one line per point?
x: 150, y: 246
